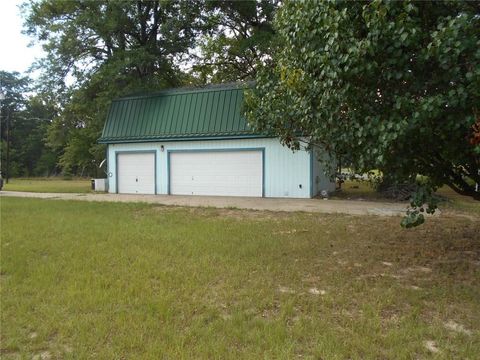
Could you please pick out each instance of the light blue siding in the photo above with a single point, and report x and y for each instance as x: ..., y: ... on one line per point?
x: 287, y: 173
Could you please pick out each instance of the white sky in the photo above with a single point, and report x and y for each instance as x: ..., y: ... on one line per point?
x: 15, y: 54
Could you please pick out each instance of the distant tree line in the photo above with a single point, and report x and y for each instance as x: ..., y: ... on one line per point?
x: 25, y: 120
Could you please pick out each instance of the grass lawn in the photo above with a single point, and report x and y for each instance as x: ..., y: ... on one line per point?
x: 362, y: 190
x: 458, y: 202
x: 50, y: 185
x: 356, y: 189
x: 131, y: 281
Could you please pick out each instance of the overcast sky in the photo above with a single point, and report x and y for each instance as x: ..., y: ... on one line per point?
x: 15, y: 55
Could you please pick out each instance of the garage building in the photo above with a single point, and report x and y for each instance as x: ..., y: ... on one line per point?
x: 196, y: 142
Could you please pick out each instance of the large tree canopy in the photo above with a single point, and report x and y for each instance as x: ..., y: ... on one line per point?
x: 239, y: 35
x: 121, y: 39
x: 393, y: 86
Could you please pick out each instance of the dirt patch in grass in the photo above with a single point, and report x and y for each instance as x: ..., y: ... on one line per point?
x: 459, y: 328
x: 239, y: 214
x: 225, y: 213
x: 431, y: 346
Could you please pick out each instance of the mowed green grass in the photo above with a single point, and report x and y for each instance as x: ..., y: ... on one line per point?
x: 132, y: 281
x: 49, y: 185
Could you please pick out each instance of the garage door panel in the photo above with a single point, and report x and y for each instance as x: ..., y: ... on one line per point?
x: 228, y: 173
x: 136, y: 173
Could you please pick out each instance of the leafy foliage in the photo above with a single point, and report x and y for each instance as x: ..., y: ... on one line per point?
x: 121, y: 39
x: 239, y: 36
x: 24, y: 124
x: 393, y: 86
x: 422, y: 201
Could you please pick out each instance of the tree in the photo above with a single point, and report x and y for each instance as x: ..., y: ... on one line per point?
x: 37, y: 158
x: 393, y: 86
x: 122, y: 39
x: 237, y: 36
x: 99, y: 50
x: 24, y: 125
x: 13, y: 87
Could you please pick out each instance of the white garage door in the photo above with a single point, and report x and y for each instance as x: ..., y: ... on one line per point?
x: 136, y: 173
x: 227, y: 173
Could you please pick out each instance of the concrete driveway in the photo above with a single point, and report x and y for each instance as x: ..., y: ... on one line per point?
x: 270, y: 204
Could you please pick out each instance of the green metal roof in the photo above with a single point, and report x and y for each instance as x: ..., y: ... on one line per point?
x: 181, y: 114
